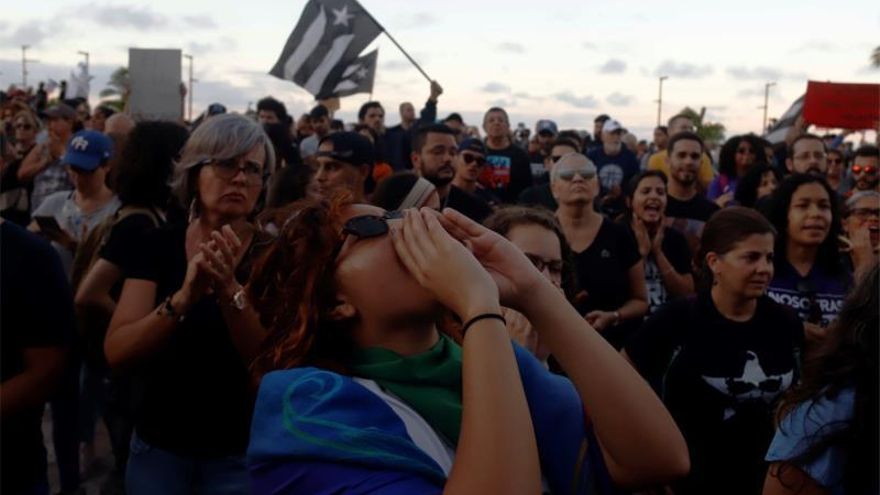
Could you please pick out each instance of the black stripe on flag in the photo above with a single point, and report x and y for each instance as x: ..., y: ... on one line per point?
x: 776, y: 133
x: 358, y: 77
x: 327, y: 39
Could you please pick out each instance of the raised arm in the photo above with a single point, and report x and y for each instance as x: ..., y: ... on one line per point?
x: 639, y: 438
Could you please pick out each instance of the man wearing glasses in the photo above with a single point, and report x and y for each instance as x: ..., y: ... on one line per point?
x: 807, y: 155
x: 865, y: 165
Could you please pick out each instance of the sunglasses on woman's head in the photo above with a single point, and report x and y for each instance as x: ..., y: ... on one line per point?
x: 366, y: 227
x: 469, y: 158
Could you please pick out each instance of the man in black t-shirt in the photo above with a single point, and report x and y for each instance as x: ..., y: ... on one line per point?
x: 545, y: 133
x: 686, y: 209
x: 36, y: 331
x: 434, y: 150
x: 507, y: 171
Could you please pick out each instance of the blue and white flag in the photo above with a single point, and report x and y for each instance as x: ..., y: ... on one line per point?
x: 326, y: 41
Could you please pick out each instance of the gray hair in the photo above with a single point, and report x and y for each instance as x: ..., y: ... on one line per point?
x: 855, y: 198
x: 574, y: 155
x: 220, y: 137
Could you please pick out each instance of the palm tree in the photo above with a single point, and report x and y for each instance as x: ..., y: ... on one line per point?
x: 709, y: 131
x: 117, y: 86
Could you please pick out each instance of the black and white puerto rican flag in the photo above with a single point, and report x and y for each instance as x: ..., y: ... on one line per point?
x: 358, y: 77
x: 325, y: 43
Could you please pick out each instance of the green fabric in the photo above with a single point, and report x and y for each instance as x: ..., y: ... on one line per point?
x: 429, y: 382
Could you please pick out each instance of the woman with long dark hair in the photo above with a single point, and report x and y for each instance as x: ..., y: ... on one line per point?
x: 360, y: 393
x: 664, y: 250
x: 827, y: 440
x: 737, y: 156
x: 722, y: 359
x: 757, y: 185
x: 809, y: 276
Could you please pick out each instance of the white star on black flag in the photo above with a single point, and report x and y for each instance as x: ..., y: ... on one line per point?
x: 326, y: 41
x: 358, y: 77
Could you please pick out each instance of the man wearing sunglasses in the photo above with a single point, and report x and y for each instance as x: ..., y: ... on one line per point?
x: 433, y: 152
x: 469, y: 163
x: 864, y: 169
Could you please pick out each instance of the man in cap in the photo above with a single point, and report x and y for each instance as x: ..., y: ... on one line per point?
x: 434, y: 151
x: 42, y: 164
x: 545, y: 132
x: 616, y: 165
x: 345, y: 162
x: 319, y: 119
x: 66, y: 217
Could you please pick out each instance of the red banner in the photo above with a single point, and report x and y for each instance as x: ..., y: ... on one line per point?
x: 842, y: 105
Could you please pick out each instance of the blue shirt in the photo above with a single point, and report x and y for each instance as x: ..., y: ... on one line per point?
x: 614, y: 170
x: 816, y: 298
x: 807, y: 424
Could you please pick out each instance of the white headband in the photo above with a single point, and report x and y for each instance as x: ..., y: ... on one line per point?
x: 417, y: 195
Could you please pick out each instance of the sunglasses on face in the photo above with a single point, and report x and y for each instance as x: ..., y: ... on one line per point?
x: 469, y: 158
x: 552, y: 266
x: 868, y: 169
x: 367, y: 227
x: 568, y: 174
x: 229, y: 169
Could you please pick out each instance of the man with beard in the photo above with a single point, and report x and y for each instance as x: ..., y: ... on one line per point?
x: 807, y: 155
x: 345, y: 160
x: 657, y: 161
x: 686, y: 210
x: 434, y: 150
x: 865, y: 174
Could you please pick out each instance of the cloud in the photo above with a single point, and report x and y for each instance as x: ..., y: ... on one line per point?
x: 395, y: 65
x: 503, y: 103
x: 577, y: 101
x: 590, y: 46
x: 31, y: 33
x: 510, y: 47
x: 613, y: 66
x: 813, y: 46
x: 620, y: 100
x: 127, y: 16
x: 223, y: 44
x: 495, y: 87
x: 868, y: 70
x: 683, y: 70
x: 526, y: 96
x: 760, y: 73
x: 200, y: 21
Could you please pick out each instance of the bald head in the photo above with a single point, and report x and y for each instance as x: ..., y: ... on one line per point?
x: 570, y: 161
x: 118, y: 124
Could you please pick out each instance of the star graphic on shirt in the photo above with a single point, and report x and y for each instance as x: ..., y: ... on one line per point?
x: 361, y: 73
x: 342, y: 16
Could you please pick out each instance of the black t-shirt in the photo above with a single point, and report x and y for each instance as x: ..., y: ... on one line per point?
x: 192, y: 395
x: 126, y: 235
x: 467, y: 204
x: 37, y: 311
x: 689, y: 217
x: 538, y: 195
x: 720, y: 380
x: 676, y: 250
x: 15, y: 195
x: 603, y: 272
x: 507, y: 172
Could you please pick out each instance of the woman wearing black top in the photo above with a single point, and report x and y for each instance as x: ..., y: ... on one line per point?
x: 664, y: 250
x: 607, y: 261
x: 184, y: 325
x: 720, y: 361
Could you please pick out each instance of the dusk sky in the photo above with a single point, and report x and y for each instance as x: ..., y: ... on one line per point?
x: 565, y: 60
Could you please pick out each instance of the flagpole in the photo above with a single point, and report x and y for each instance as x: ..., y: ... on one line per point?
x: 415, y: 64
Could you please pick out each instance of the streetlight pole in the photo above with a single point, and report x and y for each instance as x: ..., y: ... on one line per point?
x: 190, y: 88
x: 24, y: 62
x: 766, y: 98
x: 660, y: 99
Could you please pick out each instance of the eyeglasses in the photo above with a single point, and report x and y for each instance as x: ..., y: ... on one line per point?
x: 863, y: 213
x: 568, y: 174
x: 228, y: 169
x: 552, y: 266
x: 868, y: 169
x: 818, y: 155
x: 367, y: 227
x: 469, y: 158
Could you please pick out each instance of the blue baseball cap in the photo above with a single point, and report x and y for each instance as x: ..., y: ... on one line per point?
x: 87, y: 150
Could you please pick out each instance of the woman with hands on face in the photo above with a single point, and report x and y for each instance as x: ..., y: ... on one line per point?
x: 607, y: 262
x: 861, y: 226
x: 183, y: 325
x: 360, y: 391
x: 664, y: 250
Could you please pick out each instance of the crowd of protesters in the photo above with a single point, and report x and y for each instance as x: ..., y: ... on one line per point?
x: 268, y: 304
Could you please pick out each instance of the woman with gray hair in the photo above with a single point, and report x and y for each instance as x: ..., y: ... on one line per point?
x: 183, y: 325
x: 861, y: 227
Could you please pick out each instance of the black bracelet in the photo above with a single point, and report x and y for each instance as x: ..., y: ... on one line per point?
x: 484, y: 316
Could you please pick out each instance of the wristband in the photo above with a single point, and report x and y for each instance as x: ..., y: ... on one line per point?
x: 484, y: 316
x: 167, y: 310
